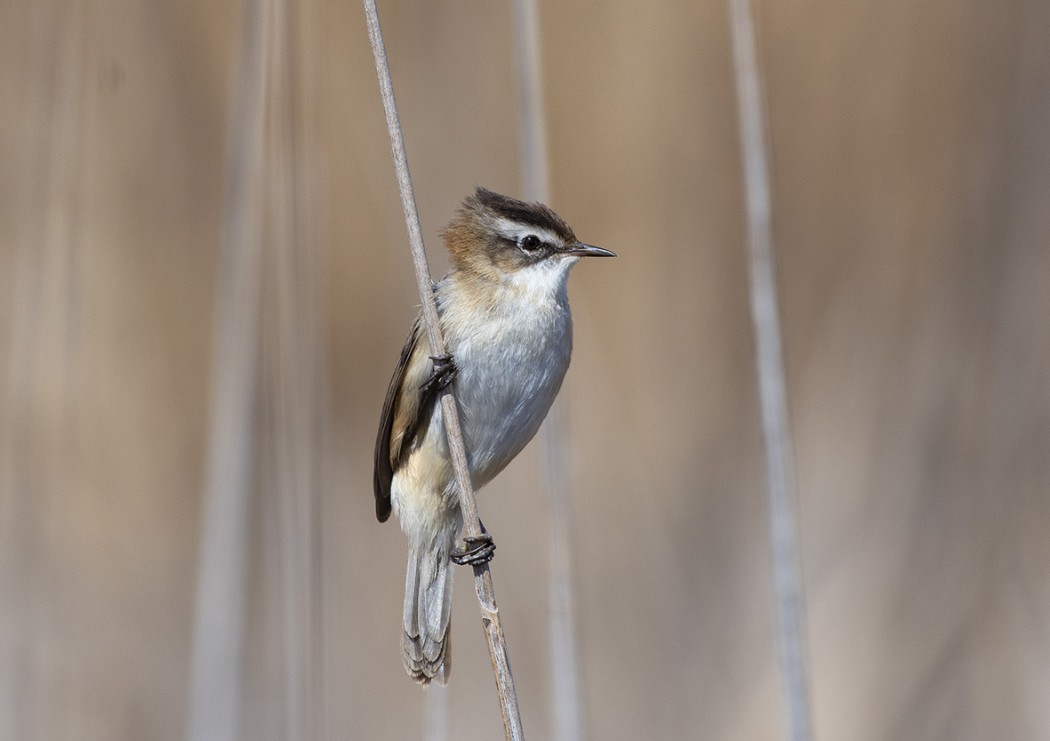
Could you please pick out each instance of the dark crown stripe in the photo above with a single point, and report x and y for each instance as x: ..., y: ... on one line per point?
x: 523, y: 212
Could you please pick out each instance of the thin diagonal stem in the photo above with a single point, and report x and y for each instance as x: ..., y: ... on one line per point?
x: 450, y: 414
x: 776, y: 432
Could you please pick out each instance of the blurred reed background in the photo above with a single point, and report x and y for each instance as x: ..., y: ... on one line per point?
x: 150, y: 199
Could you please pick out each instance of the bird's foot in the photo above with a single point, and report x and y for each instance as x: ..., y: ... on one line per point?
x: 476, y: 550
x: 444, y: 371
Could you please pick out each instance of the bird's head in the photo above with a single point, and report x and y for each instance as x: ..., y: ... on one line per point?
x: 509, y: 241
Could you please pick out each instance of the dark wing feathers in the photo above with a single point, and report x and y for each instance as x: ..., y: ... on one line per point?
x: 384, y: 468
x: 406, y: 411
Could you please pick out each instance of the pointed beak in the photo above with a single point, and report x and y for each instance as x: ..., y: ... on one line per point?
x: 588, y: 250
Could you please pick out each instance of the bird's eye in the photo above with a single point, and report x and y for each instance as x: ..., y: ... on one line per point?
x: 530, y: 242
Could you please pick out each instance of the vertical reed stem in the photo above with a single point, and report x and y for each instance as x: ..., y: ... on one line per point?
x: 776, y: 431
x: 567, y: 717
x: 218, y: 634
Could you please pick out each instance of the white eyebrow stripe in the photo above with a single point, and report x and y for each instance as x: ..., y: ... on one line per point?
x: 515, y: 231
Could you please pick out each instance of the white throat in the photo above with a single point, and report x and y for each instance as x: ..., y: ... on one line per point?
x: 544, y: 281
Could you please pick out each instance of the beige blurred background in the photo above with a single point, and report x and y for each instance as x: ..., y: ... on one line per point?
x: 912, y: 204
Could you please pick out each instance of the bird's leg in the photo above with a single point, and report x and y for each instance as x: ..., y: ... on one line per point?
x: 444, y: 371
x: 476, y: 550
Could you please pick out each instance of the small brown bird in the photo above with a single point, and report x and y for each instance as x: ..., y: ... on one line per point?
x: 505, y: 318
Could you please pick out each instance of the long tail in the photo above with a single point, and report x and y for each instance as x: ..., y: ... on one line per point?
x: 428, y: 609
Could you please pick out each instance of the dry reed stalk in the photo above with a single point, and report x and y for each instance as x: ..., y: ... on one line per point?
x: 37, y: 401
x: 292, y: 375
x: 219, y: 622
x: 776, y: 432
x: 435, y: 727
x: 567, y: 716
x: 490, y: 617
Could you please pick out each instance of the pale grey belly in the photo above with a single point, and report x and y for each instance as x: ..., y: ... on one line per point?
x: 505, y: 390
